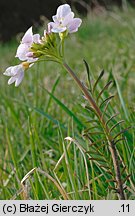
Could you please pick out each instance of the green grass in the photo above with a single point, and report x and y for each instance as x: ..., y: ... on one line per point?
x: 36, y: 117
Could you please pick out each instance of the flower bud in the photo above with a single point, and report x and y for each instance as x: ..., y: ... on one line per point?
x: 63, y: 35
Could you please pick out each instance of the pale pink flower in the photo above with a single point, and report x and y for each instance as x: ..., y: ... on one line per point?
x: 16, y: 73
x: 64, y: 20
x: 23, y: 51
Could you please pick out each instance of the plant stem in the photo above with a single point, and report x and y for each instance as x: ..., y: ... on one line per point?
x: 62, y: 47
x: 116, y: 164
x: 112, y: 146
x: 83, y: 89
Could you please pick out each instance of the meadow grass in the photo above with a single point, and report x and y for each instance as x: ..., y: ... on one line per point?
x: 36, y: 162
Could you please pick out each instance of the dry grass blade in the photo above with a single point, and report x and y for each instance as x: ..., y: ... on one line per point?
x: 24, y: 192
x: 61, y: 158
x: 28, y: 175
x: 61, y: 190
x: 105, y: 166
x: 9, y: 178
x: 14, y: 197
x: 82, y: 152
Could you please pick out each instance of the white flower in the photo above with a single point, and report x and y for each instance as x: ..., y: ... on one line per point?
x: 64, y: 20
x: 16, y: 73
x: 23, y: 51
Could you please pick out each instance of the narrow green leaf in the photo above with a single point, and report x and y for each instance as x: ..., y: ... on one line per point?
x: 99, y: 78
x: 121, y: 98
x: 106, y: 100
x: 69, y: 112
x: 88, y: 73
x: 41, y: 112
x: 53, y: 90
x: 105, y: 87
x: 114, y: 126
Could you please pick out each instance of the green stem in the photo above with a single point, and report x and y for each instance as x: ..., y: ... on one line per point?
x: 62, y: 47
x: 112, y: 146
x: 83, y: 89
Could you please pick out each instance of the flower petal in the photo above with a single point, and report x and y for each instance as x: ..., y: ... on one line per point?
x: 29, y: 54
x: 31, y: 65
x: 55, y: 19
x: 36, y: 38
x: 8, y: 71
x: 11, y: 80
x: 22, y: 51
x: 51, y: 25
x: 28, y: 37
x: 13, y: 70
x: 58, y: 29
x: 49, y: 28
x: 63, y: 11
x: 32, y: 60
x: 16, y: 70
x: 68, y: 19
x: 74, y: 25
x: 19, y: 79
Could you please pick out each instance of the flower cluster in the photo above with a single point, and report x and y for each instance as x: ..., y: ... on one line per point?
x: 33, y: 47
x: 64, y: 20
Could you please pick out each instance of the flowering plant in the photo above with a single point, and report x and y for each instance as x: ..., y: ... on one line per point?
x: 50, y: 47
